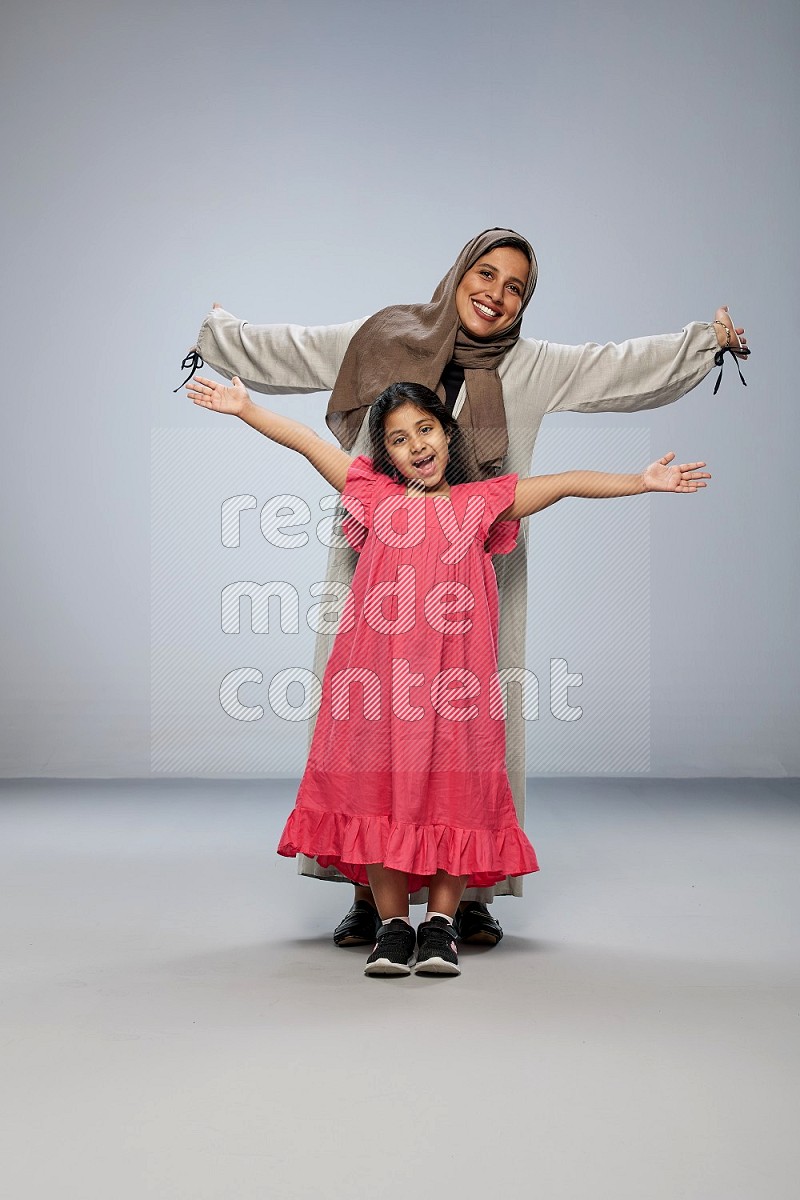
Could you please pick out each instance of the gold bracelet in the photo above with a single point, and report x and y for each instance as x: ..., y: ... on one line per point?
x: 727, y: 333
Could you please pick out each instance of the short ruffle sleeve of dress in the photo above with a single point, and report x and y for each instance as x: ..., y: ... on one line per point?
x: 358, y: 500
x: 499, y: 537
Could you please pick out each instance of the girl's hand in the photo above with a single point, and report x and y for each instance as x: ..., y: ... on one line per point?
x: 661, y: 477
x: 738, y: 342
x: 222, y: 399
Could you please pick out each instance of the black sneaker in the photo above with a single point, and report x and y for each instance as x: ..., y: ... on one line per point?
x: 393, y: 951
x: 359, y: 926
x: 436, y: 948
x: 475, y: 924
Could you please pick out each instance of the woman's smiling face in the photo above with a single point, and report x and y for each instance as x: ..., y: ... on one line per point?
x: 489, y: 296
x: 417, y: 446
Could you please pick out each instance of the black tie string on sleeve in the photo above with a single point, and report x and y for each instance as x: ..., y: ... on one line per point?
x: 193, y: 361
x: 719, y: 361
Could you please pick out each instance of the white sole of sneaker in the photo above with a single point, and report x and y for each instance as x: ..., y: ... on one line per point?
x: 436, y: 966
x: 384, y: 966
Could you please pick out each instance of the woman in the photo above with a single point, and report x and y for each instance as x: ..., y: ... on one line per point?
x: 465, y: 344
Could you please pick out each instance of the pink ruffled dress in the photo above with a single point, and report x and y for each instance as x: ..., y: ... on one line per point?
x: 407, y: 763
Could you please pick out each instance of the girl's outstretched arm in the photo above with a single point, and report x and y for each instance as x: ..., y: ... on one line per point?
x: 539, y: 491
x: 330, y: 461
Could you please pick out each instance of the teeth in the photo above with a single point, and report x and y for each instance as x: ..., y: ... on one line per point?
x: 483, y: 308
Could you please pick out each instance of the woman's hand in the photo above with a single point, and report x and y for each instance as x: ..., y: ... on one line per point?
x: 222, y: 399
x: 661, y: 477
x: 729, y: 336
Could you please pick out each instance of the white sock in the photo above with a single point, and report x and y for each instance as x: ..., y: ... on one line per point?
x: 390, y: 919
x: 430, y: 914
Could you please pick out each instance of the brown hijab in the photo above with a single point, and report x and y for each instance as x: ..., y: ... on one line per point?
x: 415, y: 342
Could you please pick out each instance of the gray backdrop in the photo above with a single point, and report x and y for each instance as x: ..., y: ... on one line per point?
x: 313, y: 162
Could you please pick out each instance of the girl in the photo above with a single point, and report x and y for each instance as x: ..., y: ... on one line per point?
x: 465, y: 344
x: 406, y: 783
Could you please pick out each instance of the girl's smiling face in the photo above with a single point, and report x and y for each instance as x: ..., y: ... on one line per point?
x: 489, y: 296
x: 417, y: 446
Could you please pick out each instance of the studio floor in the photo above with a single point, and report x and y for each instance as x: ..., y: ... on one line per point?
x: 177, y: 1023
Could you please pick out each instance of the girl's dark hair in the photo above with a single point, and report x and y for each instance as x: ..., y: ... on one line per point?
x: 427, y: 401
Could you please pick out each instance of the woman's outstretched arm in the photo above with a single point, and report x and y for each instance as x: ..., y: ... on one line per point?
x: 539, y: 491
x: 640, y: 373
x: 279, y: 360
x: 329, y: 460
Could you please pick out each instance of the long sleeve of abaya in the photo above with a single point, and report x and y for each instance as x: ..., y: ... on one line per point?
x: 274, y: 359
x: 641, y: 373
